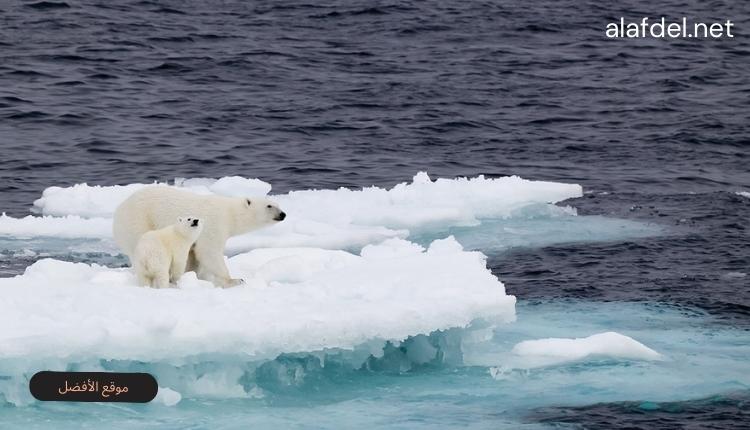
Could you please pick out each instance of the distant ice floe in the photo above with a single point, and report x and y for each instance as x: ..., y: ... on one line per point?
x: 744, y: 194
x: 460, y: 200
x: 608, y: 344
x: 331, y: 219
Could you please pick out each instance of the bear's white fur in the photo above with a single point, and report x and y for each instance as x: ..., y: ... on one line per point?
x: 161, y: 256
x: 158, y: 206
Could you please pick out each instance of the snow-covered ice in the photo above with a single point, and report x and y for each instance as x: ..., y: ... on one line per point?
x: 294, y: 300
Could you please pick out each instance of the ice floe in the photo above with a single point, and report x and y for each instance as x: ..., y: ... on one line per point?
x: 294, y: 300
x: 332, y: 219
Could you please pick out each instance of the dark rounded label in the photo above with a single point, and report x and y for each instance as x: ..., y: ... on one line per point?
x: 93, y: 387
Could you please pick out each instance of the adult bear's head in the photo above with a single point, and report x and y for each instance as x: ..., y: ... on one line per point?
x: 257, y: 212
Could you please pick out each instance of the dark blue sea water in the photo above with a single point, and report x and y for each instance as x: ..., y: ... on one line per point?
x: 354, y: 93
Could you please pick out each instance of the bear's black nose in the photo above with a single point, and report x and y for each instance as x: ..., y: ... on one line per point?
x: 280, y: 216
x: 195, y: 223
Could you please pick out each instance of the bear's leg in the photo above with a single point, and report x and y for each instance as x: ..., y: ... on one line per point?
x: 177, y: 268
x: 192, y: 264
x: 143, y: 279
x: 212, y: 268
x: 161, y: 279
x: 142, y: 275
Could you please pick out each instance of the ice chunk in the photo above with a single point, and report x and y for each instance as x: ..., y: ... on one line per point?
x: 226, y: 186
x: 608, y: 344
x: 168, y: 396
x: 84, y: 200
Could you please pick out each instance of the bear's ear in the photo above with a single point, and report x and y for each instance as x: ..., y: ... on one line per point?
x: 180, y: 219
x: 248, y: 202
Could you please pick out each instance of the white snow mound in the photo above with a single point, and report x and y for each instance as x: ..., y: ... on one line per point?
x: 608, y: 344
x: 101, y: 201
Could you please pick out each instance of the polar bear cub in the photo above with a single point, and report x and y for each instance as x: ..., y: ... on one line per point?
x: 162, y: 255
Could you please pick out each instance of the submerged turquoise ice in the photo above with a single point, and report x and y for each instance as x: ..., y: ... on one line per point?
x: 544, y: 225
x: 470, y: 386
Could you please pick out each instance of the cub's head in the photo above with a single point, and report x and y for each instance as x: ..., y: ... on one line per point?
x: 256, y: 212
x: 189, y: 226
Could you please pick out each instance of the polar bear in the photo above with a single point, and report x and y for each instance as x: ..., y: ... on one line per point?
x: 161, y: 256
x: 157, y: 206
